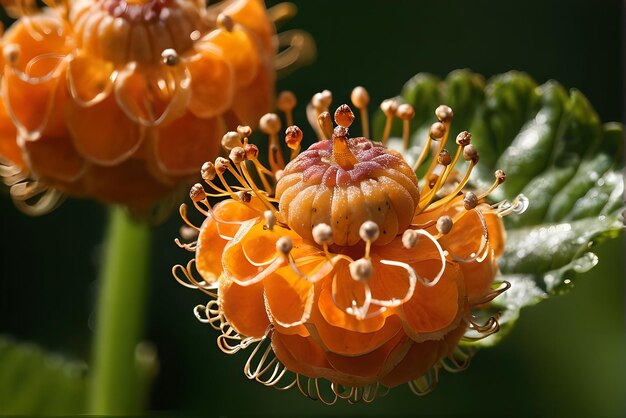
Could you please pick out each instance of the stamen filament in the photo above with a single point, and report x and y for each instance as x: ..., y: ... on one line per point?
x: 442, y: 143
x: 256, y: 191
x: 456, y: 191
x: 423, y: 153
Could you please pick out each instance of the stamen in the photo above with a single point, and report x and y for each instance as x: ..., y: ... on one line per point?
x: 244, y: 130
x: 325, y: 125
x: 197, y: 193
x: 293, y: 138
x: 389, y: 107
x: 361, y: 99
x: 225, y: 22
x: 470, y: 200
x: 444, y: 224
x: 344, y: 116
x: 270, y: 124
x: 444, y: 113
x: 500, y: 178
x: 323, y: 235
x: 11, y: 53
x: 410, y: 239
x: 284, y: 245
x: 406, y: 112
x: 286, y: 103
x: 270, y: 219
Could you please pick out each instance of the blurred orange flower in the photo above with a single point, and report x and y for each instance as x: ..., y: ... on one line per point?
x: 344, y: 267
x: 121, y: 100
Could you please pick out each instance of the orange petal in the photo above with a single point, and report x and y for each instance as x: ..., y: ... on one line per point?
x: 185, y: 144
x: 212, y: 83
x: 54, y: 157
x: 420, y: 358
x: 257, y: 98
x: 373, y: 364
x: 210, y: 241
x: 252, y: 15
x: 289, y: 297
x: 239, y: 49
x: 128, y: 183
x: 497, y: 233
x: 8, y: 139
x: 349, y: 295
x: 478, y: 276
x: 432, y: 311
x: 243, y: 307
x: 338, y: 318
x: 153, y: 97
x: 350, y: 343
x: 300, y: 355
x: 89, y: 79
x: 388, y: 283
x: 102, y: 133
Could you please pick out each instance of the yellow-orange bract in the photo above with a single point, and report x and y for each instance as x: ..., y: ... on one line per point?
x: 120, y: 101
x: 344, y: 267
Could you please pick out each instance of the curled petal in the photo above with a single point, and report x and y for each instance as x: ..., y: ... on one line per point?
x: 212, y: 83
x: 391, y: 287
x: 351, y: 296
x: 288, y: 297
x: 468, y: 238
x: 89, y: 79
x: 243, y: 307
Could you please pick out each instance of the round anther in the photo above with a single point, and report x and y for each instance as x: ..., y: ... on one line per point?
x: 360, y: 97
x: 252, y: 151
x: 501, y: 176
x: 470, y: 200
x: 270, y: 123
x: 221, y: 164
x: 225, y: 22
x: 344, y: 116
x: 405, y: 111
x: 361, y: 269
x: 444, y: 113
x: 369, y: 231
x: 231, y: 140
x: 284, y: 245
x: 322, y: 234
x: 244, y: 130
x: 197, y: 193
x: 286, y: 101
x: 270, y: 219
x: 444, y: 224
x: 410, y: 239
x: 470, y: 154
x: 293, y: 137
x: 11, y: 53
x: 389, y: 107
x: 170, y: 57
x: 444, y: 157
x: 437, y: 130
x: 208, y: 171
x: 327, y: 98
x: 464, y: 138
x: 237, y: 155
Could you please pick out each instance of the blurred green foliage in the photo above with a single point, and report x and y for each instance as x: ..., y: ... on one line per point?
x: 565, y: 357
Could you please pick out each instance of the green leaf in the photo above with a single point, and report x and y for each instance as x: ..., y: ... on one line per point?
x: 555, y: 151
x: 34, y: 382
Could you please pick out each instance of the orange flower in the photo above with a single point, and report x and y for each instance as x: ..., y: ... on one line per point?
x: 120, y: 100
x: 344, y: 267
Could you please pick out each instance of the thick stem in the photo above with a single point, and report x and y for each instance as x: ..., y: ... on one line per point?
x: 116, y: 380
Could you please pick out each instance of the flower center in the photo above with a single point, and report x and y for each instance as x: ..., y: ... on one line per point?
x: 344, y: 182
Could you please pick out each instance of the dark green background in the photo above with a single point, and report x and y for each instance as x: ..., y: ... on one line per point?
x: 566, y: 356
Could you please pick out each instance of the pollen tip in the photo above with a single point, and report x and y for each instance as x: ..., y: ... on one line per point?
x: 237, y: 155
x: 470, y: 154
x: 252, y: 151
x: 244, y: 195
x: 444, y: 157
x: 197, y: 193
x: 437, y: 130
x: 322, y: 234
x: 11, y: 53
x: 244, y: 130
x: 444, y: 224
x: 464, y: 138
x: 270, y: 123
x: 409, y: 239
x: 369, y: 231
x: 444, y: 113
x: 225, y: 22
x: 389, y: 107
x: 208, y: 171
x: 170, y: 57
x: 284, y: 245
x: 293, y: 136
x: 361, y: 269
x: 500, y: 176
x: 286, y: 101
x: 344, y: 116
x: 360, y: 97
x: 405, y: 111
x: 231, y: 140
x: 221, y: 164
x: 470, y: 200
x: 270, y: 219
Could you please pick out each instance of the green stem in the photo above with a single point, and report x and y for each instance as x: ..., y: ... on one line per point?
x: 116, y: 380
